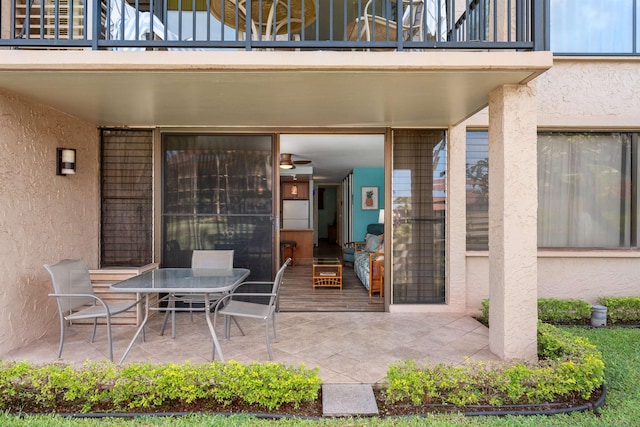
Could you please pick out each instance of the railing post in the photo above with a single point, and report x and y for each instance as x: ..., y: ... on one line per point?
x: 540, y: 24
x: 247, y: 25
x: 96, y: 28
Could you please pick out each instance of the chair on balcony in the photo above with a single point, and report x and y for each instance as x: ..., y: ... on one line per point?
x: 210, y: 259
x: 372, y: 27
x: 131, y: 24
x: 76, y: 301
x: 236, y: 305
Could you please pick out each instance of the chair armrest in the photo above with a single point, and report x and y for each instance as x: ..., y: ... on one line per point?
x: 97, y: 298
x: 357, y: 246
x: 248, y: 294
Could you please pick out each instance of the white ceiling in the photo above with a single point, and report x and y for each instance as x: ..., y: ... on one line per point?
x: 332, y: 156
x: 279, y: 91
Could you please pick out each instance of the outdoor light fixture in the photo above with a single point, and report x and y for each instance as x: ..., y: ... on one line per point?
x: 66, y: 164
x: 285, y: 161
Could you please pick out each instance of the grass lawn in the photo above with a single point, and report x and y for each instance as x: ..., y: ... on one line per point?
x: 619, y: 347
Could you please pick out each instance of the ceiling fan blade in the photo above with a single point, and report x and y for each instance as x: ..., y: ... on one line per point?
x: 302, y: 162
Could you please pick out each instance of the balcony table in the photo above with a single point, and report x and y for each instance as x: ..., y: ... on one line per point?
x: 272, y: 10
x: 182, y: 281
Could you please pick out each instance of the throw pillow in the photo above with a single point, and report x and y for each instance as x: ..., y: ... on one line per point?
x: 371, y: 242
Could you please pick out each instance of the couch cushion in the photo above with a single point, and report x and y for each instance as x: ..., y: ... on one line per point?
x: 375, y: 229
x: 372, y: 242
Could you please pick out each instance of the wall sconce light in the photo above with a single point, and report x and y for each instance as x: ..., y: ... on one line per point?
x: 66, y: 164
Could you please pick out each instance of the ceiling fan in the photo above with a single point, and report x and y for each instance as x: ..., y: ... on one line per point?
x: 287, y: 163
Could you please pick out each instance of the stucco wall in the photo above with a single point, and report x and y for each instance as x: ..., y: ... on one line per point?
x: 44, y: 217
x: 584, y: 276
x: 590, y: 93
x: 576, y: 94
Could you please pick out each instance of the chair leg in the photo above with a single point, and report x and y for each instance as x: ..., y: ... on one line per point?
x: 171, y: 304
x: 95, y: 326
x: 62, y: 327
x: 268, y: 340
x: 275, y: 331
x: 109, y: 338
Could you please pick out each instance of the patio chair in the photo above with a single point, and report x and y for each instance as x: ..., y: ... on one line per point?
x: 127, y: 23
x: 371, y: 26
x: 74, y: 294
x: 212, y: 259
x: 235, y: 305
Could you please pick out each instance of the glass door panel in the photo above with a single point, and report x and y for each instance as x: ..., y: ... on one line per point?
x: 217, y: 194
x: 419, y: 207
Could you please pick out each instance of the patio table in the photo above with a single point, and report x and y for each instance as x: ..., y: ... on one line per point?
x: 182, y: 281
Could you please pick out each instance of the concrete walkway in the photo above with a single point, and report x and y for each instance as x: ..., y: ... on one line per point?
x: 348, y: 348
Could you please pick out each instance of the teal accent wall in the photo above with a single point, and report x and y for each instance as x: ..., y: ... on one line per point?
x: 366, y: 177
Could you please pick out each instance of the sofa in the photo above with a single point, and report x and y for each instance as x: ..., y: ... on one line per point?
x: 367, y: 257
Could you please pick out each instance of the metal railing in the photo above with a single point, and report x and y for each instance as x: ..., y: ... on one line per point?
x: 272, y: 24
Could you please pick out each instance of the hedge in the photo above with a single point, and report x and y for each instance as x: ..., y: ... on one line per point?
x: 567, y: 366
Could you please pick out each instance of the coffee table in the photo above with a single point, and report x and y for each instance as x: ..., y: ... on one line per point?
x: 326, y: 273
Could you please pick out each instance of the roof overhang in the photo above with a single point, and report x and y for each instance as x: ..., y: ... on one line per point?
x: 266, y: 89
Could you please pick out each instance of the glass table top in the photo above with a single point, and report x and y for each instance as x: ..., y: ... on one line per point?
x: 326, y: 261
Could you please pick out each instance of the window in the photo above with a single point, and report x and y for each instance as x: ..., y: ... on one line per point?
x: 127, y: 188
x: 593, y: 26
x: 217, y: 194
x: 477, y: 170
x: 587, y: 190
x: 419, y: 207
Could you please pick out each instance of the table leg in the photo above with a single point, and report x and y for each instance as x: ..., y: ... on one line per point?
x: 214, y: 338
x: 140, y: 329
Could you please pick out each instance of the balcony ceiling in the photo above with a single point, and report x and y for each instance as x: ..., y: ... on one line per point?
x: 290, y: 91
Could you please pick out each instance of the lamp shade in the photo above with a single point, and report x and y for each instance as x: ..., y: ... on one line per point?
x: 66, y: 163
x: 381, y: 216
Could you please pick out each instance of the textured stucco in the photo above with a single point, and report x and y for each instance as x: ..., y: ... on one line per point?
x: 44, y: 217
x: 576, y: 94
x: 456, y: 232
x: 590, y: 94
x: 513, y: 222
x: 579, y: 275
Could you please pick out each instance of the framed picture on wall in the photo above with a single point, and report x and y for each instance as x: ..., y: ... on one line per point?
x: 369, y: 198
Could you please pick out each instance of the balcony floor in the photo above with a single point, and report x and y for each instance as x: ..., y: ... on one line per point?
x: 348, y: 347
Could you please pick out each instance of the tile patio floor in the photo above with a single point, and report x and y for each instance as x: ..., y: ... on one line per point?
x: 348, y: 347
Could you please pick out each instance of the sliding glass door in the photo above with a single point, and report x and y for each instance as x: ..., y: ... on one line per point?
x: 419, y: 206
x: 218, y: 194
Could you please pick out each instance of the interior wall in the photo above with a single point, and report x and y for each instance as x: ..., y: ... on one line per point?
x: 45, y: 217
x: 366, y: 177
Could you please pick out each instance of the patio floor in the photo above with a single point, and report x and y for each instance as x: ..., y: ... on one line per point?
x: 348, y: 347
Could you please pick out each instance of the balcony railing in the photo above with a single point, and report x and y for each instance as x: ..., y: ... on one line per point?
x: 272, y: 24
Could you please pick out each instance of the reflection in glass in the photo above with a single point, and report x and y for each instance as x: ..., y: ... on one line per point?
x: 419, y: 208
x: 217, y: 194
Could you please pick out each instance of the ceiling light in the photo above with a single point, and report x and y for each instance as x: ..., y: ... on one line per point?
x: 285, y: 161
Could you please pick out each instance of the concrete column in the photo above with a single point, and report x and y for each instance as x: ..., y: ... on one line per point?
x: 513, y: 205
x: 456, y: 219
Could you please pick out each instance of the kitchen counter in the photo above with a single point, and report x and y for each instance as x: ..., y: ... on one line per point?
x: 304, y: 244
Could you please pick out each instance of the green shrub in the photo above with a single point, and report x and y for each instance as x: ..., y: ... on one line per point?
x: 564, y: 311
x: 622, y: 309
x: 553, y: 310
x: 567, y: 365
x: 142, y: 385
